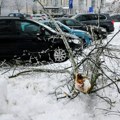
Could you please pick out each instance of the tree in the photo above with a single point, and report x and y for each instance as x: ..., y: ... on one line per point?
x: 19, y: 5
x: 115, y: 6
x: 92, y: 63
x: 2, y: 4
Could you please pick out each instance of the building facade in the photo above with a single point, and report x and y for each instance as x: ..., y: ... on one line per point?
x: 79, y: 6
x: 85, y: 6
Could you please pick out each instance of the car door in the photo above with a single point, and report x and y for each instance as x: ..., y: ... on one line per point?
x: 73, y: 24
x: 28, y: 38
x: 7, y: 38
x: 88, y: 19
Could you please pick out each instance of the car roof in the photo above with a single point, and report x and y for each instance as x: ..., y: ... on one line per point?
x: 8, y: 17
x: 105, y: 14
x: 64, y: 18
x: 17, y: 18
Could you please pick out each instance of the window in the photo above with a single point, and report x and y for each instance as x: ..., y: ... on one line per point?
x: 70, y: 23
x: 27, y: 27
x: 47, y: 33
x: 81, y: 18
x: 85, y: 17
x: 93, y: 3
x: 94, y: 17
x: 102, y: 17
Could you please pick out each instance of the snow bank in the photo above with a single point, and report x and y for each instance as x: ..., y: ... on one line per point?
x: 116, y: 26
x: 3, y: 95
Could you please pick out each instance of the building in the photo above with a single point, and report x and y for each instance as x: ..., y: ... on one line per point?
x: 56, y: 6
x: 85, y: 6
x: 79, y: 6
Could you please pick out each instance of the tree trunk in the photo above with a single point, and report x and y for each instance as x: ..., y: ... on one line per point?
x: 0, y: 10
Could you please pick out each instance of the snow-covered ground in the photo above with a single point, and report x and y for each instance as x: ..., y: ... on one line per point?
x: 31, y: 96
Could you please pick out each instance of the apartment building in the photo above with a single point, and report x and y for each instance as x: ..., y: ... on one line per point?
x: 79, y: 6
x: 85, y: 6
x: 98, y: 4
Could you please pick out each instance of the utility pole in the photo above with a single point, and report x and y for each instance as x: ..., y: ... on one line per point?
x: 61, y: 3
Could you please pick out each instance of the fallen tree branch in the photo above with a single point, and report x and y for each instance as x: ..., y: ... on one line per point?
x: 93, y: 91
x: 40, y: 70
x: 110, y: 111
x: 74, y: 65
x: 106, y: 99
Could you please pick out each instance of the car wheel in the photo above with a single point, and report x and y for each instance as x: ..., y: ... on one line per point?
x: 59, y: 55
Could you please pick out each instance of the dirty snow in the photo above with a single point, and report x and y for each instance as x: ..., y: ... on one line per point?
x: 31, y: 97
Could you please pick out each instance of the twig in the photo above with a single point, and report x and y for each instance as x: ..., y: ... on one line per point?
x: 40, y: 70
x: 106, y: 99
x: 93, y: 91
x: 110, y: 111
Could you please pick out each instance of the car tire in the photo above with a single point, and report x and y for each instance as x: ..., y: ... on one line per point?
x: 59, y: 55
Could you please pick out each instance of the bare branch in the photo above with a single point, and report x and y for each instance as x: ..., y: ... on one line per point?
x: 40, y: 70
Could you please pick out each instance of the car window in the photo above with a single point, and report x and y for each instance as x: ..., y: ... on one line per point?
x: 81, y: 18
x: 47, y: 33
x: 118, y: 16
x: 50, y: 24
x: 94, y: 17
x: 87, y: 17
x: 63, y: 27
x: 6, y: 27
x: 84, y: 17
x: 27, y: 27
x: 102, y: 17
x: 70, y: 22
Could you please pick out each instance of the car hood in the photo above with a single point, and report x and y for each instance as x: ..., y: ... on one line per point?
x: 69, y: 35
x: 78, y: 31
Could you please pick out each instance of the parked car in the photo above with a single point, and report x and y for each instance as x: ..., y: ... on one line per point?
x: 28, y: 39
x: 115, y: 17
x: 38, y: 17
x: 92, y: 19
x: 99, y: 32
x: 68, y: 15
x: 21, y: 15
x: 87, y: 39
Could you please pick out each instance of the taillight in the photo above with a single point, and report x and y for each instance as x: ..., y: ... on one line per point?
x: 112, y: 21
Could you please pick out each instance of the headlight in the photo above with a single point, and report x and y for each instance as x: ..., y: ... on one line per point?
x: 102, y: 29
x: 71, y: 36
x: 76, y: 41
x: 88, y: 34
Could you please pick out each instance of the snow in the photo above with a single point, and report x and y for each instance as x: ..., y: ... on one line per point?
x: 3, y: 95
x: 31, y: 96
x: 109, y: 0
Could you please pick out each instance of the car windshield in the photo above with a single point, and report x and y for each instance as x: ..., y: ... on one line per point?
x: 63, y: 26
x: 47, y: 27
